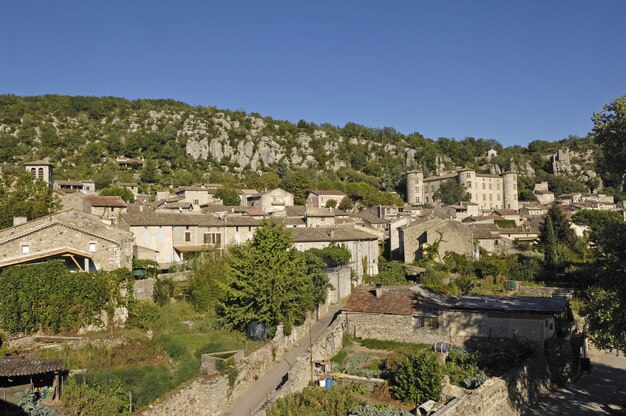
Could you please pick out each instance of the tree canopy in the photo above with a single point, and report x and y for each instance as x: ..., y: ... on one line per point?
x: 451, y: 192
x: 267, y: 280
x: 609, y: 132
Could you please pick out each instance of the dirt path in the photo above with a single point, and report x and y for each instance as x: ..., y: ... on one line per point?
x: 592, y: 393
x: 267, y: 383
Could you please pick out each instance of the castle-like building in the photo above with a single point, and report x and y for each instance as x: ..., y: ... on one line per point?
x: 488, y: 191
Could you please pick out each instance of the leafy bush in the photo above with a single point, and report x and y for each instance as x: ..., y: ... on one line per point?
x: 315, y: 401
x: 390, y: 273
x: 417, y: 378
x: 163, y: 291
x: 334, y: 255
x: 462, y: 369
x: 142, y: 314
x: 47, y: 296
x: 81, y: 399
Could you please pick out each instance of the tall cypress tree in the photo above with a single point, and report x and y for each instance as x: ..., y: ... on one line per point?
x: 549, y: 245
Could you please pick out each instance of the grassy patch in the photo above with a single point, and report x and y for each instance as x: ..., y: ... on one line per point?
x: 340, y: 357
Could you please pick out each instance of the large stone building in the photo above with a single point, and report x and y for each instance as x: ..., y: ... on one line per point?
x: 417, y: 314
x: 363, y: 246
x: 82, y: 240
x: 489, y: 191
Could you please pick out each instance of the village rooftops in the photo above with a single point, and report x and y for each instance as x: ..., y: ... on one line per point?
x: 73, y: 183
x: 502, y: 212
x: 329, y: 234
x: 444, y: 176
x: 295, y: 211
x: 147, y: 218
x: 368, y: 217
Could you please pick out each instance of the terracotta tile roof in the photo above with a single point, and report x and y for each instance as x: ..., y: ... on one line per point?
x: 38, y: 162
x: 369, y: 217
x: 241, y: 220
x: 106, y: 201
x: 295, y: 211
x: 23, y: 366
x: 505, y: 212
x: 391, y: 302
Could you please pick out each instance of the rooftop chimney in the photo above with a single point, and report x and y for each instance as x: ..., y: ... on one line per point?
x: 378, y: 290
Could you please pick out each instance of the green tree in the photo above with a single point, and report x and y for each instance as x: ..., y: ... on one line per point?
x: 25, y: 197
x: 299, y: 183
x: 417, y: 378
x: 549, y: 245
x: 346, y: 204
x: 149, y: 173
x: 451, y: 192
x: 125, y: 193
x: 605, y: 304
x: 266, y: 281
x: 229, y: 196
x: 609, y: 132
x: 208, y: 269
x: 331, y: 203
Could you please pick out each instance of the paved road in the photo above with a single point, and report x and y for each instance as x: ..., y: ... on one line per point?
x: 592, y: 393
x: 267, y: 383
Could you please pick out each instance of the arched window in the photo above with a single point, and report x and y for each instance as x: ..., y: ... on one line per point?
x: 33, y: 172
x: 40, y: 173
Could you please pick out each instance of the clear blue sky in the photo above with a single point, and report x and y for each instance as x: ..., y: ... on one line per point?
x: 508, y: 70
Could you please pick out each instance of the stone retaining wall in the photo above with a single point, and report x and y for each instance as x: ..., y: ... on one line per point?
x: 210, y: 396
x: 508, y: 395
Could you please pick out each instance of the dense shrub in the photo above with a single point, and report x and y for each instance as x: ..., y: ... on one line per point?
x: 315, y: 401
x: 334, y: 255
x: 81, y: 399
x: 47, y: 296
x: 163, y: 291
x: 462, y: 369
x: 142, y: 314
x: 417, y: 378
x: 390, y: 273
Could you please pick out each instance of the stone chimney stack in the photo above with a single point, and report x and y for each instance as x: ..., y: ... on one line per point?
x: 379, y: 290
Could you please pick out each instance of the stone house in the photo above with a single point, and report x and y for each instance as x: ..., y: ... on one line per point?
x: 362, y: 245
x: 533, y: 211
x: 82, y: 240
x: 319, y: 217
x: 108, y: 208
x: 449, y: 235
x: 199, y: 195
x: 171, y: 236
x: 462, y: 210
x: 508, y: 214
x: 386, y: 212
x: 419, y: 314
x: 131, y: 186
x: 271, y: 201
x: 88, y: 187
x: 319, y: 198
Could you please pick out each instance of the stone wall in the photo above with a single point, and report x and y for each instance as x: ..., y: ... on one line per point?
x: 504, y: 396
x: 342, y: 285
x: 209, y: 396
x: 392, y: 328
x: 329, y: 343
x: 144, y: 289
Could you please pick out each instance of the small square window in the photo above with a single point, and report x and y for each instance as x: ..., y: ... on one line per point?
x: 25, y: 249
x: 92, y: 247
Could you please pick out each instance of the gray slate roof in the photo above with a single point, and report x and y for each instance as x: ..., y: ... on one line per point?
x: 23, y: 366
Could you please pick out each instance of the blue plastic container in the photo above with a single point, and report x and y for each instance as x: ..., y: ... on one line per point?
x: 329, y: 383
